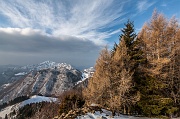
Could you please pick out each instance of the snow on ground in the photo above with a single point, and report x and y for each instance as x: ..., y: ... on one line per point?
x: 5, y: 111
x: 6, y: 85
x: 36, y: 99
x: 33, y: 99
x: 108, y: 115
x: 20, y: 74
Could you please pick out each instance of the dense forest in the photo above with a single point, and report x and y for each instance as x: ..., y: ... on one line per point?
x: 141, y: 74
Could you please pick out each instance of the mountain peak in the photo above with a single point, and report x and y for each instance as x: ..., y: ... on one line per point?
x: 46, y: 65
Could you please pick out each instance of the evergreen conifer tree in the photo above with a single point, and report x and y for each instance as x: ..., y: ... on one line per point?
x: 128, y: 35
x: 114, y: 49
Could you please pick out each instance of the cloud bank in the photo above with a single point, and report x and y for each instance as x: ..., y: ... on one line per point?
x: 23, y: 44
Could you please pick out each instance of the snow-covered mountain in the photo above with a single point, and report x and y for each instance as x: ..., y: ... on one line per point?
x: 48, y: 81
x: 86, y: 74
x: 47, y: 78
x: 46, y: 65
x: 9, y: 74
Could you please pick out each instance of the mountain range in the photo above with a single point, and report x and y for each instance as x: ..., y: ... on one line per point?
x: 47, y: 78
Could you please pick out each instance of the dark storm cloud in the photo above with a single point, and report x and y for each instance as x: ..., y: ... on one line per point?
x: 24, y: 46
x: 42, y: 43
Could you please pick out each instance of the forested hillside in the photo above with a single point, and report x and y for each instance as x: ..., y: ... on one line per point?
x: 141, y: 74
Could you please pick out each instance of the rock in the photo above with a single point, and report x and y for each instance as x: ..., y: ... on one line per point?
x: 104, y: 117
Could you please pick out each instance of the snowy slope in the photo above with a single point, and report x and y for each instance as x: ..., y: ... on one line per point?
x: 33, y: 99
x: 36, y: 99
x: 20, y: 74
x: 5, y: 85
x: 5, y: 111
x: 86, y: 74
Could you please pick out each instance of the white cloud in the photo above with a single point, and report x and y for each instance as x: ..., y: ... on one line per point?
x: 143, y: 5
x: 19, y: 31
x: 80, y: 18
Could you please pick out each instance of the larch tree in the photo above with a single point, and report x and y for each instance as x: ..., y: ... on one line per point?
x: 157, y: 47
x: 98, y: 83
x: 173, y: 68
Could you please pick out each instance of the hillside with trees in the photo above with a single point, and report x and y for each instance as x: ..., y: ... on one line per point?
x: 140, y: 75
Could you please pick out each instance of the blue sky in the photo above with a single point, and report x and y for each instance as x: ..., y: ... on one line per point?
x: 71, y: 31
